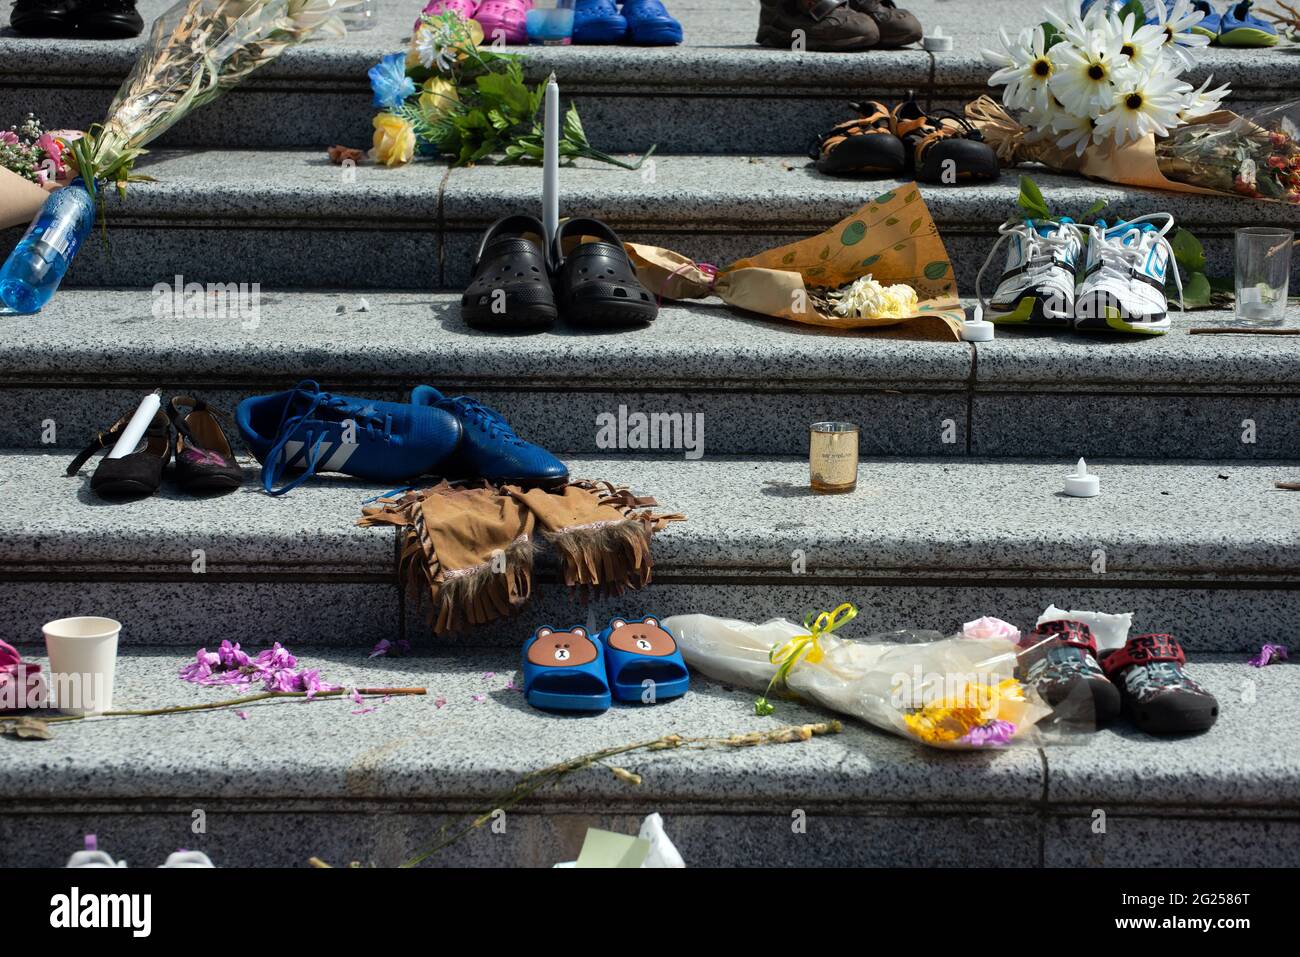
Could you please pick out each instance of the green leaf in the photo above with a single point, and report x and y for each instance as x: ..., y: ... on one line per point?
x: 1188, y: 251
x: 916, y: 224
x: 1051, y: 35
x: 787, y: 258
x: 869, y: 260
x: 1031, y: 200
x: 883, y: 198
x: 1196, y: 291
x: 762, y: 707
x: 1094, y: 209
x: 826, y: 253
x: 1136, y: 8
x: 935, y: 270
x: 853, y: 233
x: 891, y: 221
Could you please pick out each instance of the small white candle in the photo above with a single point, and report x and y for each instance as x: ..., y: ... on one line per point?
x: 139, y: 424
x: 977, y: 328
x: 1082, y: 484
x: 551, y: 161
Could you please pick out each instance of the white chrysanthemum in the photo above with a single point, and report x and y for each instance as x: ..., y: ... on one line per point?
x: 1025, y: 69
x: 1202, y: 101
x: 1140, y: 42
x: 1085, y: 72
x: 1073, y: 132
x: 1145, y: 103
x: 868, y: 299
x: 1176, y: 23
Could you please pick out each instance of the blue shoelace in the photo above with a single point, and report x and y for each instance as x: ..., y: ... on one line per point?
x: 276, y: 459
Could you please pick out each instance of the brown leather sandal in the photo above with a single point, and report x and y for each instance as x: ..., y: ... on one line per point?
x: 863, y: 146
x: 942, y: 147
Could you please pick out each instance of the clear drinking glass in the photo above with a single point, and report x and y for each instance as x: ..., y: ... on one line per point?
x: 1263, y: 271
x: 361, y: 15
x: 550, y: 22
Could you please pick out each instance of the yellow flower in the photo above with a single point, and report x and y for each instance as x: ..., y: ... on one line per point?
x: 394, y: 140
x: 437, y: 98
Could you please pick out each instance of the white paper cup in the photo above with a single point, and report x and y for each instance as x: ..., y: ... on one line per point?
x: 83, y: 658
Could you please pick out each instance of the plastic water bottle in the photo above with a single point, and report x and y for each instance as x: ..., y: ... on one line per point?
x: 33, y: 271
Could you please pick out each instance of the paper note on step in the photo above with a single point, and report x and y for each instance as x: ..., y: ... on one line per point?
x: 607, y: 849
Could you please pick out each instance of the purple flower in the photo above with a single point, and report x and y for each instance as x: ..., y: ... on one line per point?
x: 489, y: 675
x: 230, y: 656
x: 478, y: 698
x: 276, y: 658
x: 439, y: 701
x: 992, y: 734
x: 243, y: 715
x: 365, y: 710
x: 395, y: 649
x: 1268, y: 654
x: 356, y: 697
x: 200, y: 670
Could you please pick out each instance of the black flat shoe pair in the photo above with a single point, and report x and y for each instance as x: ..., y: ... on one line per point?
x: 90, y: 19
x: 519, y: 284
x: 204, y: 462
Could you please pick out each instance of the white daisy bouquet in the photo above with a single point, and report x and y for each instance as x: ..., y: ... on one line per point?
x: 1094, y: 92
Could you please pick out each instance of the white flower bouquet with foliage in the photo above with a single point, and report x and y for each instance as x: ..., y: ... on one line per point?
x: 1102, y: 94
x: 1101, y: 77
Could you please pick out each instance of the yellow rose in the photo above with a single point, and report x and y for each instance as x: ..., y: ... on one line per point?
x: 394, y: 140
x: 437, y: 97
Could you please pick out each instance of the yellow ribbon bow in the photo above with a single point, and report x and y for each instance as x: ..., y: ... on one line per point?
x: 803, y: 647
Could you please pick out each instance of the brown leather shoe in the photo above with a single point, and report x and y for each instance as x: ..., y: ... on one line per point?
x: 824, y: 25
x: 897, y: 27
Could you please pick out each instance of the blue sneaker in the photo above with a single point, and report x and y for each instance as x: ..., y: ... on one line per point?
x: 598, y: 21
x: 313, y: 431
x: 490, y: 449
x: 1238, y: 27
x: 1209, y: 25
x: 648, y: 24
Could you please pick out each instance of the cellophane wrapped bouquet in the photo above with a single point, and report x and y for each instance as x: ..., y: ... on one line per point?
x: 1256, y: 154
x: 1102, y: 94
x: 959, y: 693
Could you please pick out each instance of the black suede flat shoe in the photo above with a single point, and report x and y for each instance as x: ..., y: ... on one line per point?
x: 511, y: 284
x: 136, y: 474
x: 204, y: 461
x: 596, y: 283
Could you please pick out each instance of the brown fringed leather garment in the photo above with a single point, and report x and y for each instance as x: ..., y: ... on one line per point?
x: 472, y: 546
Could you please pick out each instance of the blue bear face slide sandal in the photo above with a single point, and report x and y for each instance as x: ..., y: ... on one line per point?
x: 644, y: 661
x: 565, y: 671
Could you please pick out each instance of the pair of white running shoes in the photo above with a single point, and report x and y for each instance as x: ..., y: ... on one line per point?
x: 1120, y: 289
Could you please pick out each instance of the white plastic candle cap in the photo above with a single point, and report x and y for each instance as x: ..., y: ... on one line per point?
x: 1082, y: 484
x: 976, y: 329
x: 937, y: 42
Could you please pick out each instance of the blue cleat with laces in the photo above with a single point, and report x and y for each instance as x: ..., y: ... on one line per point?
x: 490, y: 449
x: 310, y: 431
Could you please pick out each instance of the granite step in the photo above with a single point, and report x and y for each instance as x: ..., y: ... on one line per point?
x: 756, y: 382
x: 294, y: 780
x: 291, y: 218
x: 1202, y: 550
x: 717, y: 93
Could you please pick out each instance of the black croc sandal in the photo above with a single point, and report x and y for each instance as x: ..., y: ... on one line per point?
x: 866, y: 146
x: 595, y: 278
x: 511, y: 284
x: 1159, y: 695
x: 204, y: 461
x: 136, y: 474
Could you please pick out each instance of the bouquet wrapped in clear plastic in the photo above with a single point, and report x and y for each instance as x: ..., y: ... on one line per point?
x: 956, y: 692
x: 1255, y: 154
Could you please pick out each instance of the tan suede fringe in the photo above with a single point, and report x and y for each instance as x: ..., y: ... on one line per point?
x: 470, y: 547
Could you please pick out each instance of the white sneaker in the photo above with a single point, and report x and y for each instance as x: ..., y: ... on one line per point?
x: 1123, y: 285
x: 92, y: 856
x: 1038, y: 283
x: 188, y: 859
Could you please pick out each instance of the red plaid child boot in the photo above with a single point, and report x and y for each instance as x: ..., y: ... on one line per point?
x: 1159, y: 696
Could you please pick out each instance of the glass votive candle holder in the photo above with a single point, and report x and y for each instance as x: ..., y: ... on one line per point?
x: 833, y: 457
x: 1263, y: 273
x: 550, y: 22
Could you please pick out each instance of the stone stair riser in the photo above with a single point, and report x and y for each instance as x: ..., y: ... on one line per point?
x: 340, y: 255
x: 1193, y: 423
x: 1213, y: 615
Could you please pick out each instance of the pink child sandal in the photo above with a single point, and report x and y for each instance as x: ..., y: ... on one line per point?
x: 508, y: 16
x: 466, y: 8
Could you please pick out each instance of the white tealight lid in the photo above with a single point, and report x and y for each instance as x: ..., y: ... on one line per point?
x: 1082, y: 484
x: 977, y: 328
x: 937, y: 42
